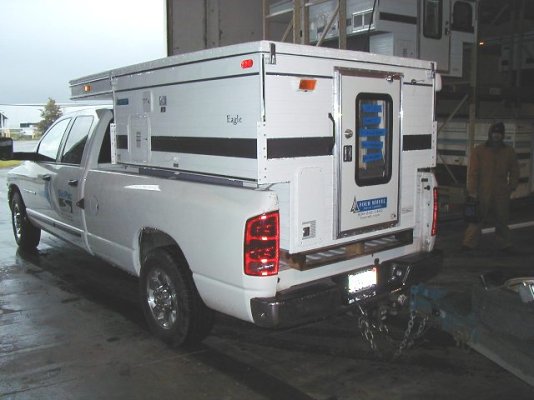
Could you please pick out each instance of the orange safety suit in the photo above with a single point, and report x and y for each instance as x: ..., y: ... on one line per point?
x: 492, y: 176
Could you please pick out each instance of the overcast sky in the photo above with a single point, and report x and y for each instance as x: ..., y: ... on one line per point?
x: 46, y: 43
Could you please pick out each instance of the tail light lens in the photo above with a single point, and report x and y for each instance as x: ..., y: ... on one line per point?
x: 262, y: 241
x: 434, y: 230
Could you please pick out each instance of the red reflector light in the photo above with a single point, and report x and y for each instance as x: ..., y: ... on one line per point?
x: 434, y: 230
x: 307, y: 84
x: 87, y: 88
x: 262, y: 241
x: 247, y: 63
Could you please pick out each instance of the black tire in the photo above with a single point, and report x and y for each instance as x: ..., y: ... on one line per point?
x: 26, y: 234
x: 171, y: 304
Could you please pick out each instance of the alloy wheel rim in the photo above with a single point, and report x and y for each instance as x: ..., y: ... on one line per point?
x: 17, y: 220
x: 162, y: 298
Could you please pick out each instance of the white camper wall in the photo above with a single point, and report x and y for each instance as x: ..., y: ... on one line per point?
x: 196, y: 112
x: 306, y: 185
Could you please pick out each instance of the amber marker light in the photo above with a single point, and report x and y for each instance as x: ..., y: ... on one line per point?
x: 307, y: 85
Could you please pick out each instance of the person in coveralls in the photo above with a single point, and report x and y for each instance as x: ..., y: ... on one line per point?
x: 493, y: 175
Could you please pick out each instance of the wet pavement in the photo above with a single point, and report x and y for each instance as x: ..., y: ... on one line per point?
x: 71, y: 328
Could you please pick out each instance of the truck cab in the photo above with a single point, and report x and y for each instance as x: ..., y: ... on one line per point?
x: 52, y: 183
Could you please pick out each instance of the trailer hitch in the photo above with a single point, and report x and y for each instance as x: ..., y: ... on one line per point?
x: 372, y: 323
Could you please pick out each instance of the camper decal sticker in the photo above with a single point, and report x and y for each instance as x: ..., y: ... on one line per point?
x: 366, y: 206
x: 65, y: 202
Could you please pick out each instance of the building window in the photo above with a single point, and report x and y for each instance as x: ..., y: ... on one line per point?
x: 462, y: 17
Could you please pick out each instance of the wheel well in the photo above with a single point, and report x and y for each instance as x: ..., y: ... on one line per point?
x: 150, y: 239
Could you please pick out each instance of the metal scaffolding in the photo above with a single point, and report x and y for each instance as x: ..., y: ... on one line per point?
x: 295, y: 16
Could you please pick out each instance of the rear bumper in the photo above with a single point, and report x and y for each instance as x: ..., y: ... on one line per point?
x: 329, y: 296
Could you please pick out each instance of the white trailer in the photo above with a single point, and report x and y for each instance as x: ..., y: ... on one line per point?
x: 426, y: 29
x: 344, y: 141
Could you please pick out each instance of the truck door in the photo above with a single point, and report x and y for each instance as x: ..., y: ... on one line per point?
x: 434, y: 35
x: 368, y: 135
x: 67, y: 182
x: 38, y: 195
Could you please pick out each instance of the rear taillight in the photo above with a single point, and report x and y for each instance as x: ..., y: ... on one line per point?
x: 262, y: 241
x: 434, y: 230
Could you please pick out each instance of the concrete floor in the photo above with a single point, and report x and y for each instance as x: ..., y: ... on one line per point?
x: 71, y: 328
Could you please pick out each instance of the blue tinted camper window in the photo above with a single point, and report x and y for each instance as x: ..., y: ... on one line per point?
x: 374, y: 116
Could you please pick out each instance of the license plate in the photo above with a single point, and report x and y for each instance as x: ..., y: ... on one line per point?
x: 362, y: 280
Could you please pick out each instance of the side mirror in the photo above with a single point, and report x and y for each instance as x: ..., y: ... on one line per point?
x: 6, y: 148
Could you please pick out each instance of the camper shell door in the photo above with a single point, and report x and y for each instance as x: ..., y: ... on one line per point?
x: 368, y: 136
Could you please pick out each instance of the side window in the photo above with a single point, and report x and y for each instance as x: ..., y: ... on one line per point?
x: 374, y: 127
x: 432, y: 18
x: 462, y: 17
x: 73, y: 150
x: 49, y: 145
x: 105, y: 150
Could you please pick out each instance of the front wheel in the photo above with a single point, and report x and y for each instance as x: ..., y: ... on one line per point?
x: 171, y: 304
x: 26, y: 234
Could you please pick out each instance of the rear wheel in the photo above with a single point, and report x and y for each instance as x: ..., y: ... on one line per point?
x: 26, y: 234
x: 171, y: 304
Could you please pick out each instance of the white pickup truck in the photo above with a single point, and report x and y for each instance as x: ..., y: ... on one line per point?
x: 271, y: 182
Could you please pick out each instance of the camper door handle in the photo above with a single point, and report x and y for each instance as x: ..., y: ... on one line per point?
x: 331, y: 118
x: 73, y: 182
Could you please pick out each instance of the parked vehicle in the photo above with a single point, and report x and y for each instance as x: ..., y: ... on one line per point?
x: 275, y: 183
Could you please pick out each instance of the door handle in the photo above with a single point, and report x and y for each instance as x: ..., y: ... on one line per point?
x: 46, y: 177
x: 73, y: 182
x: 331, y: 118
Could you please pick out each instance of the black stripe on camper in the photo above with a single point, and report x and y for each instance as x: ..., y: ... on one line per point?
x: 299, y: 147
x: 416, y: 142
x: 456, y: 153
x: 224, y: 147
x: 244, y: 148
x: 405, y: 19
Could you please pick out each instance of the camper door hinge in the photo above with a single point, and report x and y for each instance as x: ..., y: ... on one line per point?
x: 272, y: 54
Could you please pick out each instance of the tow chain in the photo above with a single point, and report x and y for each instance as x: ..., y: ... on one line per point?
x: 370, y: 330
